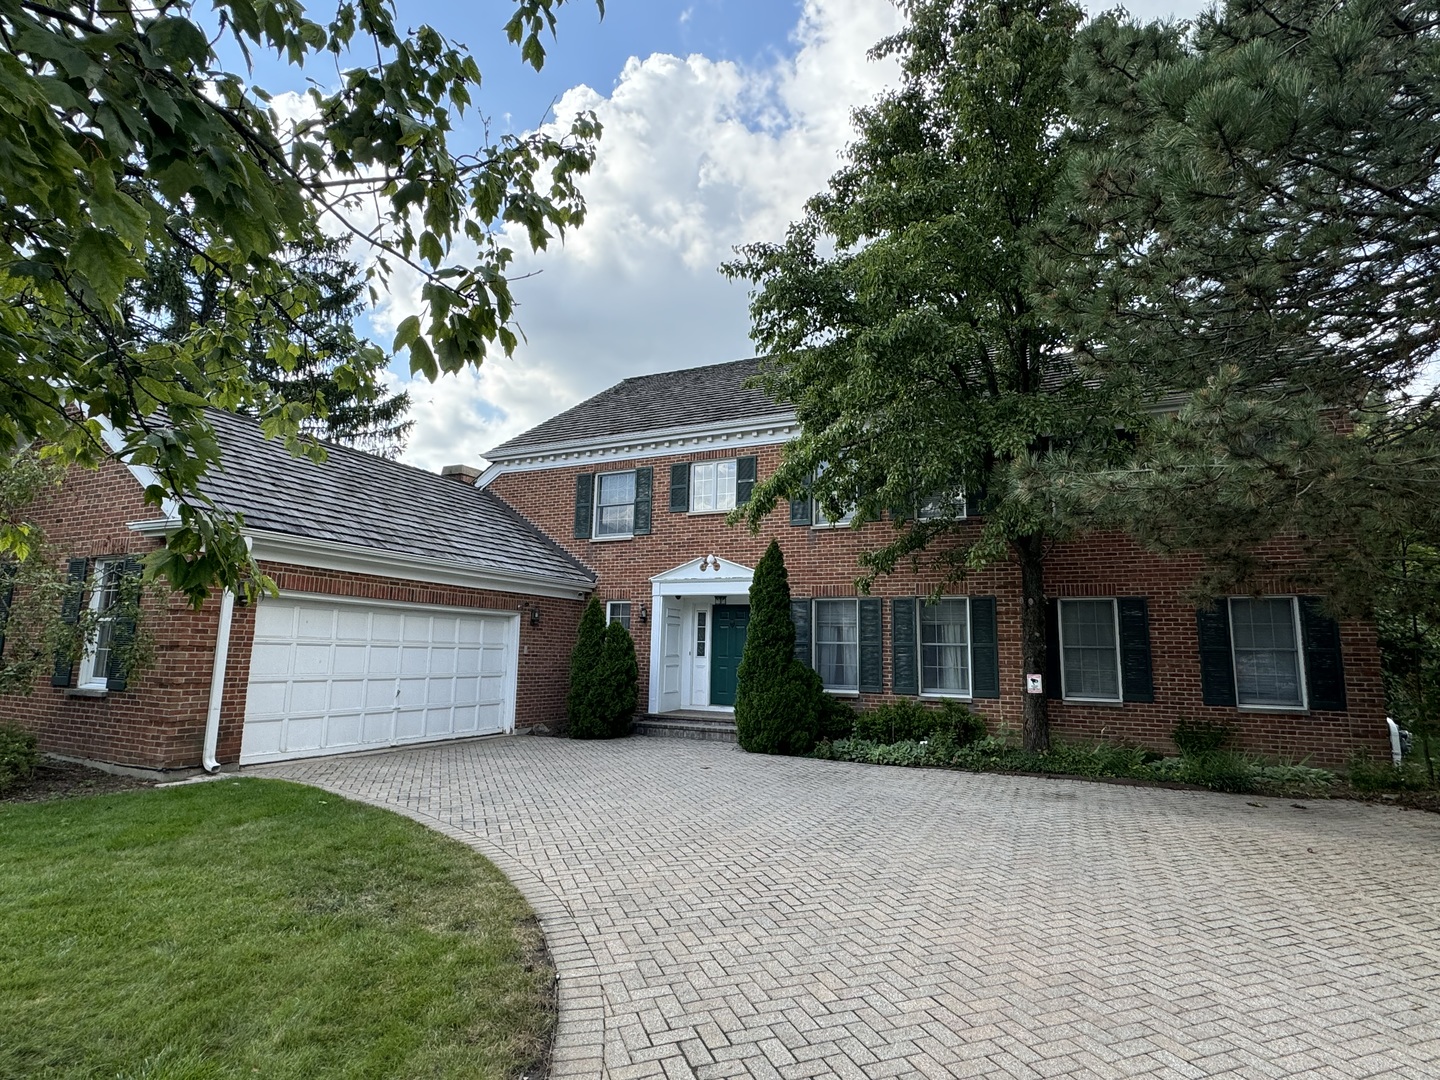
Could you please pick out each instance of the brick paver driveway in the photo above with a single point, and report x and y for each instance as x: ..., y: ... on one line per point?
x: 717, y: 914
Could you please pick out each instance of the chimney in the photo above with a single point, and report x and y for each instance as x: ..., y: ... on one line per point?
x: 464, y: 474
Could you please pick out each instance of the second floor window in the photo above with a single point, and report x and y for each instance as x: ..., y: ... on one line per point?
x: 615, y: 504
x: 712, y: 486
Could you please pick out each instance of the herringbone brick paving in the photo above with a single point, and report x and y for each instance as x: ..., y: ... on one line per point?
x: 716, y: 914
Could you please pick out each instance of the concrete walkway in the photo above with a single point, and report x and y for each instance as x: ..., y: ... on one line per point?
x: 717, y: 914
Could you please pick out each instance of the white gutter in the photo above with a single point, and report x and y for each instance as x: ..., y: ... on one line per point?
x: 208, y: 759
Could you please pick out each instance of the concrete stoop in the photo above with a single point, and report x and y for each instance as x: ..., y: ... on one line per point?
x: 718, y: 728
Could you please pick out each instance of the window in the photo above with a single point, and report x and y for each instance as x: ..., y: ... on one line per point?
x: 615, y: 504
x: 1266, y: 648
x: 618, y: 611
x: 712, y: 486
x: 817, y: 513
x: 700, y: 633
x: 1089, y: 650
x: 942, y: 508
x: 837, y: 644
x: 104, y: 594
x: 945, y: 648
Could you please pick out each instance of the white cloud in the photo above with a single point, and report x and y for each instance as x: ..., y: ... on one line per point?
x: 697, y: 156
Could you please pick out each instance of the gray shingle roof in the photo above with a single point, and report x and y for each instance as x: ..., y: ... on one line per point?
x: 357, y: 498
x: 714, y: 394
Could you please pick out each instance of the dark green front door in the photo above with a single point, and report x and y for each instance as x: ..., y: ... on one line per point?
x: 727, y: 643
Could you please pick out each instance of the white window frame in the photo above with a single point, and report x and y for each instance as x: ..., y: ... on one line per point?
x: 614, y: 615
x: 89, y: 678
x: 1297, y: 630
x: 920, y: 653
x: 595, y: 533
x: 818, y: 520
x: 1091, y: 699
x: 715, y: 465
x: 840, y: 691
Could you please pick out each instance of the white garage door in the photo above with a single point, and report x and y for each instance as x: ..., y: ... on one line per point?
x: 328, y: 676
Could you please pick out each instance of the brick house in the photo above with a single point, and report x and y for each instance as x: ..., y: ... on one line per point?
x: 635, y: 483
x: 410, y: 608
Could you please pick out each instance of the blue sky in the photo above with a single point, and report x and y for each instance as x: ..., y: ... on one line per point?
x: 721, y: 117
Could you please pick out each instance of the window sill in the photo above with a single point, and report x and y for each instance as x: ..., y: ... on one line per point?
x: 87, y: 691
x: 939, y: 695
x: 1292, y: 709
x: 840, y: 692
x: 608, y: 539
x: 709, y: 513
x: 1109, y: 701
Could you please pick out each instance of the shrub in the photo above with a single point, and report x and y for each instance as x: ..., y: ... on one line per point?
x: 909, y: 721
x: 1220, y: 770
x: 779, y: 704
x: 617, y: 681
x: 588, y: 718
x: 837, y: 718
x: 1366, y: 774
x: 19, y: 755
x: 1194, y: 738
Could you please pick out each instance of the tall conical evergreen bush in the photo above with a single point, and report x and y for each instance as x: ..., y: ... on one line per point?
x: 618, y: 679
x: 585, y: 711
x: 778, y: 700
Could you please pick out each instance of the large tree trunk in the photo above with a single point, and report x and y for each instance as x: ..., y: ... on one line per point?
x: 1036, y: 721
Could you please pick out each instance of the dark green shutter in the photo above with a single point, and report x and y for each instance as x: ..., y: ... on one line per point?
x: 904, y: 659
x: 123, y: 634
x: 584, y: 505
x: 984, y: 648
x: 76, y: 571
x: 1137, y: 680
x: 1054, y: 677
x: 7, y: 594
x: 872, y: 637
x: 644, y: 488
x: 1217, y: 670
x: 1324, y: 667
x: 746, y: 469
x: 680, y: 487
x: 800, y: 616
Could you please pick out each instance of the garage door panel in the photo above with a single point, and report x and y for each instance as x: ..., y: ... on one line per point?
x: 335, y: 676
x: 350, y: 660
x: 316, y: 622
x: 268, y: 658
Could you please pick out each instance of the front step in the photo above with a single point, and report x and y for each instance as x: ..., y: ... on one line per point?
x: 685, y: 727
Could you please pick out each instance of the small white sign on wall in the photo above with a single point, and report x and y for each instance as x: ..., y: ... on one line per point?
x: 1034, y: 684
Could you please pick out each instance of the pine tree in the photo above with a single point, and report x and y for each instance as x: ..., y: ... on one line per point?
x: 778, y: 700
x: 583, y: 705
x: 331, y: 371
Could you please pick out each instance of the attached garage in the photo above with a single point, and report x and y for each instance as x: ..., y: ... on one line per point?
x: 330, y: 675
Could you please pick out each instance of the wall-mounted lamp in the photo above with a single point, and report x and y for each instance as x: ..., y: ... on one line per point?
x: 644, y: 614
x: 534, y: 614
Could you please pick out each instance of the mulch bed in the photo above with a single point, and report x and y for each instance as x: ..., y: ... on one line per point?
x: 68, y: 780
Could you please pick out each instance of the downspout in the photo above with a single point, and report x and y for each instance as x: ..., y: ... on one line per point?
x: 217, y: 683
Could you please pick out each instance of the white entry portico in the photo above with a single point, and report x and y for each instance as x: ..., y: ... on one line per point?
x: 682, y: 604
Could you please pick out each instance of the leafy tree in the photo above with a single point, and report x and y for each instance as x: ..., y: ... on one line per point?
x: 618, y: 679
x: 123, y: 137
x: 899, y: 318
x: 588, y: 718
x: 779, y: 702
x: 335, y: 375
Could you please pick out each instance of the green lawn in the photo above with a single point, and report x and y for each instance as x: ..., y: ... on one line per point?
x: 258, y: 929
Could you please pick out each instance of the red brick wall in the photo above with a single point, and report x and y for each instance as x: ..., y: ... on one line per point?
x: 158, y: 722
x: 824, y: 562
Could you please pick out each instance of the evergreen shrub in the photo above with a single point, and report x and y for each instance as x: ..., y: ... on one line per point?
x: 19, y: 755
x: 584, y: 709
x: 618, y: 679
x: 779, y: 703
x: 909, y: 721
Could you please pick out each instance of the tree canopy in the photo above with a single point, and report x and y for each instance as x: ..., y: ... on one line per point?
x: 1250, y: 229
x: 899, y: 316
x: 124, y: 138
